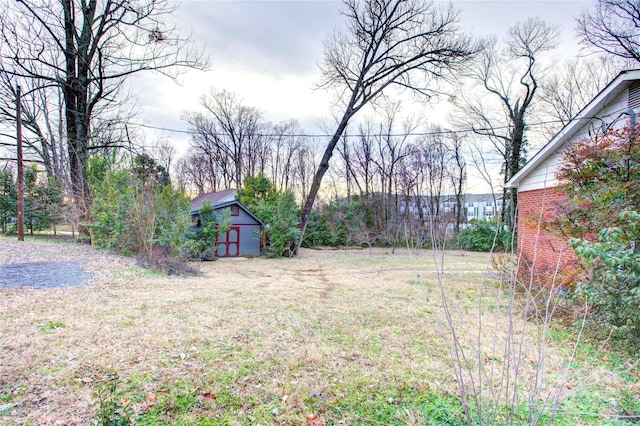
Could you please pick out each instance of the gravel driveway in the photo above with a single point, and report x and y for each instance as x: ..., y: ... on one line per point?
x: 43, y: 274
x: 51, y: 264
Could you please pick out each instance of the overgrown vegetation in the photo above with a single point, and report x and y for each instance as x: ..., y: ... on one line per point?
x: 332, y: 227
x: 374, y: 221
x: 278, y: 210
x: 202, y: 238
x: 136, y: 211
x: 601, y: 180
x: 614, y: 287
x: 347, y: 337
x: 43, y: 201
x: 486, y: 235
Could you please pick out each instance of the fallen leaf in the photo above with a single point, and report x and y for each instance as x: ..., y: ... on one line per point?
x: 316, y: 420
x: 209, y: 395
x: 150, y: 398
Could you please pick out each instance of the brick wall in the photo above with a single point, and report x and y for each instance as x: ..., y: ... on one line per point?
x: 542, y: 253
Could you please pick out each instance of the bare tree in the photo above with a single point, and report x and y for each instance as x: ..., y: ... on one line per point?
x: 484, y: 165
x: 231, y: 134
x: 87, y: 48
x: 411, y: 44
x: 199, y: 173
x: 612, y: 26
x: 284, y: 147
x: 346, y: 154
x: 305, y: 164
x: 209, y: 153
x: 164, y: 153
x: 511, y: 78
x: 363, y: 159
x: 458, y: 175
x: 435, y: 165
x: 392, y: 149
x: 41, y: 119
x: 572, y: 86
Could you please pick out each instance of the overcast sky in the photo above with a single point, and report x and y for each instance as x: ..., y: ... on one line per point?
x: 268, y: 53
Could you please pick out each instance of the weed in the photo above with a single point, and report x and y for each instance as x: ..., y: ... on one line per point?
x: 51, y: 326
x: 112, y: 409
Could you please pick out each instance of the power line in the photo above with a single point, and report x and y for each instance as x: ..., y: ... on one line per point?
x: 327, y: 135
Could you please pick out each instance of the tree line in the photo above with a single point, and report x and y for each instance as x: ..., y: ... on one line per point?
x: 72, y: 60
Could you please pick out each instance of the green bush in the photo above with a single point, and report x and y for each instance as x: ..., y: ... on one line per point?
x: 202, y: 238
x: 327, y: 229
x: 43, y: 201
x: 8, y: 200
x: 136, y: 213
x: 600, y: 179
x: 278, y: 210
x: 485, y: 235
x: 614, y: 286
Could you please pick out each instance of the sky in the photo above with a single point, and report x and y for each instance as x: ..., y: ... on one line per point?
x: 268, y: 53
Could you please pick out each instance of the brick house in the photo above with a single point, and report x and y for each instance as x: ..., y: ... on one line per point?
x: 536, y: 182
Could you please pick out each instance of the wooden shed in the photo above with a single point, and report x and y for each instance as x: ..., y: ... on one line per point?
x: 244, y: 236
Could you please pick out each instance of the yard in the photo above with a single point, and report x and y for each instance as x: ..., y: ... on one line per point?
x: 329, y: 337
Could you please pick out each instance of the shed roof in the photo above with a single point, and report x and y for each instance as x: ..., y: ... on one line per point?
x: 588, y: 113
x: 213, y: 198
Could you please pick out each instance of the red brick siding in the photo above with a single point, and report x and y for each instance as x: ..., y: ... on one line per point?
x: 541, y: 251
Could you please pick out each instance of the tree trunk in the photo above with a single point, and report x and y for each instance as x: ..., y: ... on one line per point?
x: 77, y: 108
x: 322, y: 169
x: 517, y: 145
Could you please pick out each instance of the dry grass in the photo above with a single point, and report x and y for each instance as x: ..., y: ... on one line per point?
x: 257, y: 340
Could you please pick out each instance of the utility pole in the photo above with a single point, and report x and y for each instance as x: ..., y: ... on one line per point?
x: 20, y: 167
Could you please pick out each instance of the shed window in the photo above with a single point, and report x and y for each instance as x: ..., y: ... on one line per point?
x: 235, y: 210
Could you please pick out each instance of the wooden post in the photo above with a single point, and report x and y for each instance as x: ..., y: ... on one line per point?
x: 20, y: 167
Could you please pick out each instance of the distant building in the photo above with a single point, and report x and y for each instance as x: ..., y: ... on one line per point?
x: 482, y: 206
x: 474, y: 206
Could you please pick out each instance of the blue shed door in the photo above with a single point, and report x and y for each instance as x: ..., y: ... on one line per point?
x: 229, y: 243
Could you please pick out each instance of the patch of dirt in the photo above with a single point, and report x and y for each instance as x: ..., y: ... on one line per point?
x: 317, y: 276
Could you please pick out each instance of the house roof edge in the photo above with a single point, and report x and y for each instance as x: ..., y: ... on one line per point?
x: 614, y: 87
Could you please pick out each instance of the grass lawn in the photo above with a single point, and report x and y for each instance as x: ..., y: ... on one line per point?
x: 329, y: 337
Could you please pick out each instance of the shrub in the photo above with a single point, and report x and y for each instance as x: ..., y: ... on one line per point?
x: 614, y: 284
x: 203, y: 237
x: 8, y: 199
x: 484, y: 235
x: 329, y: 228
x: 135, y: 213
x: 277, y: 210
x: 601, y: 180
x: 43, y: 201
